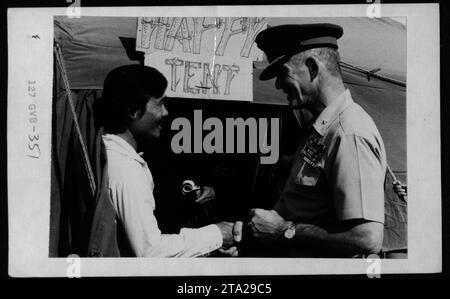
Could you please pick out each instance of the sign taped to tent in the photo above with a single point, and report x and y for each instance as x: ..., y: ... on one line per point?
x: 206, y: 58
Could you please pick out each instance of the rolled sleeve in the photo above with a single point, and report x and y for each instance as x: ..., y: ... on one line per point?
x: 358, y: 176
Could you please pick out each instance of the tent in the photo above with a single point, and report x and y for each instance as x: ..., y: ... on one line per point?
x: 92, y: 46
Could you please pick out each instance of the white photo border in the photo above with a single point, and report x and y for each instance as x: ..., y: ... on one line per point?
x: 30, y: 59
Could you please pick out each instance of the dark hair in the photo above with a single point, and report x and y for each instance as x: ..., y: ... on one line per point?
x: 126, y: 90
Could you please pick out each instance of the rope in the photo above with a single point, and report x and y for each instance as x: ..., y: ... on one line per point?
x: 372, y: 74
x: 87, y: 164
x: 391, y: 173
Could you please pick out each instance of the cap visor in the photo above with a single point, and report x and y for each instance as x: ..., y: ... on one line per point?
x: 271, y: 71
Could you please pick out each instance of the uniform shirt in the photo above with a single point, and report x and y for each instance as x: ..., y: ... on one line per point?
x: 130, y: 184
x: 338, y: 171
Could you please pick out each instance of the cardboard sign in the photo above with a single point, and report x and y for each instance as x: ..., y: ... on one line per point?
x: 209, y: 58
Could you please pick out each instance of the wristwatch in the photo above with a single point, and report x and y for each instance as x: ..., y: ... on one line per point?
x: 289, y: 233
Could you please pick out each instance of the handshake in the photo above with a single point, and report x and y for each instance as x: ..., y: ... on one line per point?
x: 232, y: 235
x: 265, y: 226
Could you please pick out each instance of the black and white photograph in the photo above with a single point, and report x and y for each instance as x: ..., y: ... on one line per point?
x: 250, y: 140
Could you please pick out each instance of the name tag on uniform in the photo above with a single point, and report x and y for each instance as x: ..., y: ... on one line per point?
x: 313, y: 150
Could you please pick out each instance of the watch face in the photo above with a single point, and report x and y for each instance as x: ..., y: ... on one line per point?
x: 289, y: 233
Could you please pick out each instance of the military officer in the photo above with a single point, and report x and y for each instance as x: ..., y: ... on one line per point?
x: 333, y: 201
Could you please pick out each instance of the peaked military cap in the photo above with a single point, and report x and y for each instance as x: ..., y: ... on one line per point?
x: 282, y: 42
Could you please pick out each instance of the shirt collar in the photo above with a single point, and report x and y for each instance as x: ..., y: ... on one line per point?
x: 331, y: 112
x: 119, y: 145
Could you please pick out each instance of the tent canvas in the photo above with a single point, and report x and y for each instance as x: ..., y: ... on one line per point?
x: 91, y: 47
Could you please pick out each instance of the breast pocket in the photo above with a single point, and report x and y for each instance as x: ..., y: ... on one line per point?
x: 308, y: 175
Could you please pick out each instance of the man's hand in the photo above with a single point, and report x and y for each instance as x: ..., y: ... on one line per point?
x: 401, y: 190
x: 205, y: 194
x: 231, y: 232
x: 230, y: 252
x: 267, y: 226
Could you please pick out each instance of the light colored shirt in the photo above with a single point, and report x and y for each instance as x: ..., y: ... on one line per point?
x: 338, y: 171
x: 130, y: 184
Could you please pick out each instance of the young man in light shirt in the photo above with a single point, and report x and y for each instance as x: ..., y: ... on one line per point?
x: 133, y: 98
